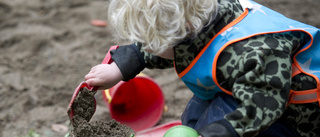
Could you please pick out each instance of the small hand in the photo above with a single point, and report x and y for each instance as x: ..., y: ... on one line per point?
x: 104, y: 76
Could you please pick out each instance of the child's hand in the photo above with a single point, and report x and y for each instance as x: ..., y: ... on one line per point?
x: 104, y: 76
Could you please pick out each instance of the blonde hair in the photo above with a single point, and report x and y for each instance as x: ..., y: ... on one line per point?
x: 159, y: 24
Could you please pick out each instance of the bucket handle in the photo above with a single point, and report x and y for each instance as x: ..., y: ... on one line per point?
x: 108, y: 96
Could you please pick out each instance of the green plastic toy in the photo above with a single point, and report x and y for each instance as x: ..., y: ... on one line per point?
x: 181, y: 131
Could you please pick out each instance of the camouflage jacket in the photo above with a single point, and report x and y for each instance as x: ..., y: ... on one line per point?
x: 253, y: 115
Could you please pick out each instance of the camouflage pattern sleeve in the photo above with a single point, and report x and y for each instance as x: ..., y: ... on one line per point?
x: 132, y: 59
x: 258, y: 72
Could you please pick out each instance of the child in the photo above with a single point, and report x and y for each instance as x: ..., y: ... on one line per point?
x: 253, y: 72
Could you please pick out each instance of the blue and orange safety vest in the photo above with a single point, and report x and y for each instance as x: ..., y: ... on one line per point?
x: 256, y: 20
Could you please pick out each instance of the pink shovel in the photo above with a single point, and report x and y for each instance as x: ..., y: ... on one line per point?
x: 107, y: 60
x: 158, y: 131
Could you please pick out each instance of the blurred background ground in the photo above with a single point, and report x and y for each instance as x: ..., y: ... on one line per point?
x: 46, y: 48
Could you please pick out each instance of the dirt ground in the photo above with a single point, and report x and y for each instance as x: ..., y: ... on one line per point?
x: 80, y: 113
x: 46, y: 48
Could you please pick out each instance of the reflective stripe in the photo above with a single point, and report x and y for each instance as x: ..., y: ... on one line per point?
x: 311, y: 96
x: 307, y: 96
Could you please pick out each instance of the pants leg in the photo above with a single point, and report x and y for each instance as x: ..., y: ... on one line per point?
x: 221, y: 105
x: 199, y: 113
x: 278, y: 129
x: 194, y: 110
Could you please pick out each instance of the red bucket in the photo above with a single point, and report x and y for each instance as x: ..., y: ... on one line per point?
x: 138, y: 103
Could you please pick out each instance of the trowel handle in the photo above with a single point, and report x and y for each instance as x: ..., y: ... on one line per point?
x: 86, y: 85
x: 107, y: 59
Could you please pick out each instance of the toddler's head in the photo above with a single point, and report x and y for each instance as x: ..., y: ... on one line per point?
x: 159, y: 24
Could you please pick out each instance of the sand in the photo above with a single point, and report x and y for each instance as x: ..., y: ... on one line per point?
x: 82, y: 109
x: 47, y: 47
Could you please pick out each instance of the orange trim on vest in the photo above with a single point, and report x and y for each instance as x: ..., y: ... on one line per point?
x: 318, y: 95
x: 313, y: 91
x: 295, y: 61
x: 297, y: 97
x: 185, y: 71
